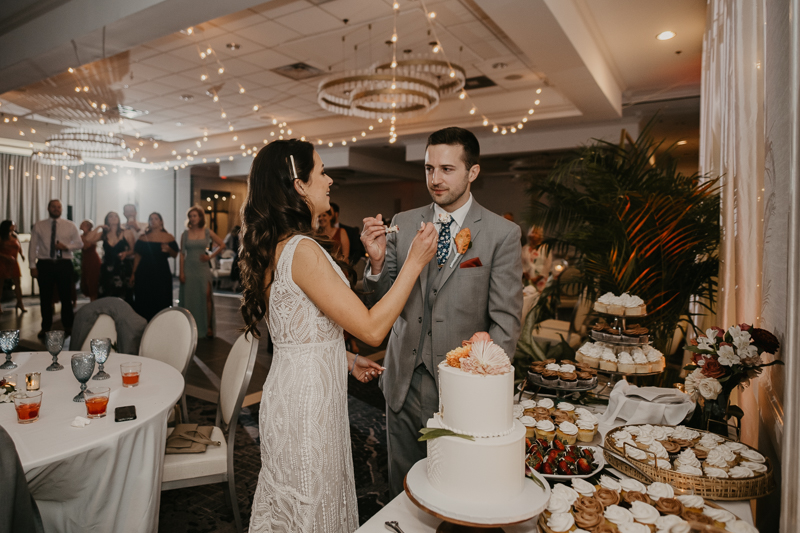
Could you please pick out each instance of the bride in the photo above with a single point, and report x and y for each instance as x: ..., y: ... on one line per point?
x: 306, y: 479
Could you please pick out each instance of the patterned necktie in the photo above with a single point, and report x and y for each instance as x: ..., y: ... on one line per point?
x: 53, y: 240
x: 443, y: 248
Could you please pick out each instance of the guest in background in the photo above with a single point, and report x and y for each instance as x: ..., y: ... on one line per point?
x: 536, y: 263
x: 117, y: 267
x: 153, y: 290
x: 357, y: 250
x: 232, y: 243
x: 138, y: 228
x: 9, y: 268
x: 195, y: 273
x: 337, y: 235
x: 51, y: 246
x: 508, y: 215
x: 90, y: 261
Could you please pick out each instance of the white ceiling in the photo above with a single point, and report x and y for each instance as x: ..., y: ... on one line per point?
x: 155, y: 75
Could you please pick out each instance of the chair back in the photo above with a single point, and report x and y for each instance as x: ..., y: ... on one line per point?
x: 104, y: 327
x: 235, y: 379
x: 170, y: 337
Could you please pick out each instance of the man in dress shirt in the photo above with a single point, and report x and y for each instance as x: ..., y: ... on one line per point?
x: 51, y: 245
x: 455, y: 297
x: 138, y: 228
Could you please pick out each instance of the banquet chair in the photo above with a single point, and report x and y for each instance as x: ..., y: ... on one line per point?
x: 171, y: 337
x: 104, y: 327
x: 215, y: 465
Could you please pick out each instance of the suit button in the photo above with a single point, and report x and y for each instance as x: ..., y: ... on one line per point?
x: 429, y: 334
x: 434, y: 292
x: 420, y: 320
x: 414, y: 352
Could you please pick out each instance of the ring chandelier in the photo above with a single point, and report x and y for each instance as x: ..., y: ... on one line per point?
x: 72, y: 146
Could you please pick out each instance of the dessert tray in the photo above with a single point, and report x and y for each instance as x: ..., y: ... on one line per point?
x: 529, y: 503
x: 613, y: 502
x: 718, y: 486
x: 534, y: 383
x: 598, y: 460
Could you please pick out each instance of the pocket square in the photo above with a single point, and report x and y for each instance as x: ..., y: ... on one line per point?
x: 471, y: 263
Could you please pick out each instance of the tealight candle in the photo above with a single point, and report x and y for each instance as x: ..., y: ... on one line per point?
x: 32, y: 380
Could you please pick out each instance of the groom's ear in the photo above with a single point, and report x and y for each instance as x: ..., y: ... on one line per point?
x: 473, y: 172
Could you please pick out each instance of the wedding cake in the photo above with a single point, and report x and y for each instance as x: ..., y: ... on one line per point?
x: 476, y: 389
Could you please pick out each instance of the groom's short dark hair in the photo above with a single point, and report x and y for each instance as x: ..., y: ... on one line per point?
x: 458, y: 136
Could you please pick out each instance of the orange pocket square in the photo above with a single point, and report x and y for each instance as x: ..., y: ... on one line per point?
x: 472, y: 263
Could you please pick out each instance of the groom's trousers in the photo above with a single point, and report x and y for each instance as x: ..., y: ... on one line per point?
x: 403, y: 427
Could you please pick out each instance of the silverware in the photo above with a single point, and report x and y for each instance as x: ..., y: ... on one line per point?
x: 394, y: 526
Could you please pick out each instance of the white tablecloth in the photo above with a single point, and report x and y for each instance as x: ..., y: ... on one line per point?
x: 105, y: 477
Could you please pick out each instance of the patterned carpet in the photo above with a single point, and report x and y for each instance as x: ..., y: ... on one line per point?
x: 205, y: 509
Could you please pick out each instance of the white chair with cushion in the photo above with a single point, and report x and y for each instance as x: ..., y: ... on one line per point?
x: 103, y: 327
x: 171, y: 337
x: 215, y: 465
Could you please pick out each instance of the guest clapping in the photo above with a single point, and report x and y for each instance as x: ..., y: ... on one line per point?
x: 337, y: 235
x: 115, y: 272
x: 195, y: 275
x: 9, y: 268
x: 152, y: 278
x: 90, y: 261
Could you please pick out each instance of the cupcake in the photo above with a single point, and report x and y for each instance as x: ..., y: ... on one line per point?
x: 757, y: 468
x: 586, y: 430
x: 692, y: 502
x: 549, y: 379
x: 602, y: 303
x: 640, y: 362
x: 582, y: 487
x: 568, y: 380
x: 634, y: 306
x: 631, y: 485
x: 608, y: 482
x: 545, y: 429
x: 608, y: 361
x: 535, y: 374
x: 541, y: 413
x: 561, y: 416
x: 719, y: 516
x: 560, y: 522
x: 530, y: 426
x: 617, y: 515
x: 567, y: 433
x: 752, y: 456
x: 528, y: 406
x: 644, y: 513
x: 633, y: 527
x: 588, y: 519
x: 588, y: 503
x: 557, y: 504
x: 625, y: 363
x: 607, y: 496
x: 628, y: 498
x: 615, y: 306
x: 518, y: 411
x: 658, y: 490
x: 567, y: 366
x: 655, y: 358
x: 585, y: 379
x: 547, y: 403
x: 669, y: 506
x: 568, y: 493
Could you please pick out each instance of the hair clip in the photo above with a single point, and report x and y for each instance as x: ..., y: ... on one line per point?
x: 294, y: 169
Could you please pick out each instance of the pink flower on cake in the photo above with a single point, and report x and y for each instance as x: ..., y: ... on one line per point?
x: 486, y: 358
x: 479, y: 336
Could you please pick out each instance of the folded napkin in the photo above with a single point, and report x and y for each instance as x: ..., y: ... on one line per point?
x: 80, y: 422
x: 646, y: 405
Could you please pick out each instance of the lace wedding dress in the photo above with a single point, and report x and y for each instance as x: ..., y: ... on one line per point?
x: 306, y: 480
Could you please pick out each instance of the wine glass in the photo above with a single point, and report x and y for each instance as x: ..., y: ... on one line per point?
x: 82, y: 367
x: 55, y: 343
x: 100, y: 349
x: 8, y: 341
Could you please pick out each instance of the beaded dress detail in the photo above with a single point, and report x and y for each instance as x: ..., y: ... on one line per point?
x: 306, y: 480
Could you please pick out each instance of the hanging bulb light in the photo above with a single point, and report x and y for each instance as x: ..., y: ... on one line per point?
x: 220, y: 70
x: 472, y: 111
x: 485, y: 121
x: 241, y: 89
x: 462, y: 95
x: 495, y: 129
x: 255, y: 107
x: 203, y: 77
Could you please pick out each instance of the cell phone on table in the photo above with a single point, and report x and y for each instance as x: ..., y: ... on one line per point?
x: 127, y: 412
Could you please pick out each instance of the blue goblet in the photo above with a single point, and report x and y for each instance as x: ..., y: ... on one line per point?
x: 100, y: 349
x: 8, y: 341
x: 82, y: 367
x: 55, y: 343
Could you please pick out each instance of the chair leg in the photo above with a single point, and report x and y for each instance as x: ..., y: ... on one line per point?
x: 234, y: 501
x: 184, y: 409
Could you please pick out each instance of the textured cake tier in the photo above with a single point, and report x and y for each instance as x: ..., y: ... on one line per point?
x: 476, y: 405
x: 490, y: 470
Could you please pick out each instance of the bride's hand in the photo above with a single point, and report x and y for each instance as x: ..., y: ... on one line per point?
x: 423, y: 248
x: 366, y: 370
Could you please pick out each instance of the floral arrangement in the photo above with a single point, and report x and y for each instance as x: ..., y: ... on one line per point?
x: 6, y: 390
x: 723, y: 360
x: 479, y: 355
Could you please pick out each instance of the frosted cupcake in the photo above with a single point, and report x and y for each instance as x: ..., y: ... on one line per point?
x: 608, y: 482
x: 608, y: 361
x: 659, y: 490
x: 602, y: 303
x: 518, y: 411
x: 561, y: 522
x: 567, y: 433
x: 567, y: 407
x: 585, y: 379
x: 545, y: 429
x: 758, y: 468
x: 586, y: 430
x: 530, y: 426
x: 625, y: 363
x: 655, y: 358
x: 641, y: 363
x: 591, y: 355
x: 568, y: 493
x: 692, y: 502
x: 568, y: 380
x: 557, y: 504
x: 547, y: 403
x: 634, y: 306
x: 582, y: 487
x: 752, y: 456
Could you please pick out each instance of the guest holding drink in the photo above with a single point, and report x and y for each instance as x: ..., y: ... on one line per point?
x: 90, y: 261
x: 115, y: 272
x: 153, y: 291
x: 9, y: 268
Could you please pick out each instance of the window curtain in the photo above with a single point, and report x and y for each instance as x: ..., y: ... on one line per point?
x: 26, y: 187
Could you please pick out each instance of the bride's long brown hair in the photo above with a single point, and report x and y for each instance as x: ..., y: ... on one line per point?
x: 273, y: 211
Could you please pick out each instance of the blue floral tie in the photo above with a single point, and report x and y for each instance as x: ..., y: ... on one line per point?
x: 443, y: 248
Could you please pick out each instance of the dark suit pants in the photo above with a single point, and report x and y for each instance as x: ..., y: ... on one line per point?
x: 55, y: 273
x: 402, y: 428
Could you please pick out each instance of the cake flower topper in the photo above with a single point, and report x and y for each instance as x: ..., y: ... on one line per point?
x: 463, y: 241
x: 486, y: 358
x: 454, y: 356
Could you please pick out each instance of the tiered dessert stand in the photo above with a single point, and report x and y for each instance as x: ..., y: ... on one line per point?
x: 461, y: 517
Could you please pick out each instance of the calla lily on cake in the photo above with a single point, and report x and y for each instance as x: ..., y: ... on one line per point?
x: 486, y: 358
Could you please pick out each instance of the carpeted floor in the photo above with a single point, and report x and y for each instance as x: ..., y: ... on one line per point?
x: 205, y: 509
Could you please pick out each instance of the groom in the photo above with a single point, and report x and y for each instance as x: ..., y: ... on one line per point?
x: 456, y: 296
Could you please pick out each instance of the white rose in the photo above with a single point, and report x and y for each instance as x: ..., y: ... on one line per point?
x: 727, y: 357
x: 692, y: 381
x: 709, y: 388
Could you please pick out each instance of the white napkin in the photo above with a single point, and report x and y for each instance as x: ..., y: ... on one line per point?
x: 80, y: 422
x: 646, y: 405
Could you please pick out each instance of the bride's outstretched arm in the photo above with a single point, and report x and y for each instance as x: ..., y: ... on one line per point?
x: 313, y: 273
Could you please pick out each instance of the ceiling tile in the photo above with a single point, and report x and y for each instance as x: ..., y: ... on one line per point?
x: 167, y: 63
x: 170, y: 42
x: 145, y: 71
x: 263, y: 78
x: 218, y: 44
x: 269, y: 59
x: 182, y: 81
x: 268, y: 33
x: 279, y: 8
x: 310, y: 21
x: 238, y: 20
x: 238, y: 68
x: 356, y: 11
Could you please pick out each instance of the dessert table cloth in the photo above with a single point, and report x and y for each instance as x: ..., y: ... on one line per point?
x: 105, y: 477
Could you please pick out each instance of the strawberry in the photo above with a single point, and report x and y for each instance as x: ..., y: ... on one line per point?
x: 570, y: 459
x: 558, y: 445
x: 584, y: 467
x: 588, y: 453
x: 527, y: 443
x: 547, y: 468
x: 552, y: 455
x: 563, y: 468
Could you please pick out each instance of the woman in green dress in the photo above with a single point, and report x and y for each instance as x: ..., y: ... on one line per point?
x: 195, y: 270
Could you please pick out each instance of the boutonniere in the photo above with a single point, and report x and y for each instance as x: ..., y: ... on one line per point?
x: 463, y: 243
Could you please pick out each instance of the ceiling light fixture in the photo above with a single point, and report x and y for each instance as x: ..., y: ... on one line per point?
x: 681, y: 143
x: 665, y: 35
x: 233, y: 46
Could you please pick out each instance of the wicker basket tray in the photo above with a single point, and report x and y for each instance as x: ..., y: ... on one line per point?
x: 757, y: 486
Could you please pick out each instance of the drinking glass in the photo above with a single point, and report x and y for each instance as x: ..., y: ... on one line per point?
x: 11, y: 379
x: 55, y: 343
x: 130, y: 374
x: 100, y: 349
x: 82, y: 367
x: 8, y: 341
x: 97, y: 401
x: 27, y: 405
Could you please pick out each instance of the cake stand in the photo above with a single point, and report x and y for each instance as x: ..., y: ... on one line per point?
x: 461, y: 517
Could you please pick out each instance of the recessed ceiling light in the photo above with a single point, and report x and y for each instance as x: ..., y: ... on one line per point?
x: 665, y: 35
x: 681, y: 143
x: 179, y: 123
x: 233, y: 46
x: 186, y: 97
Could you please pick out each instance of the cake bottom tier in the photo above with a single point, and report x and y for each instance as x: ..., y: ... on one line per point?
x: 483, y: 470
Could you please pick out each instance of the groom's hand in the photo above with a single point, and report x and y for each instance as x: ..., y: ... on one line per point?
x: 374, y: 239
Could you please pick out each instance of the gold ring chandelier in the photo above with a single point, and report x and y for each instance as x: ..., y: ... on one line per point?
x: 72, y: 146
x: 403, y: 89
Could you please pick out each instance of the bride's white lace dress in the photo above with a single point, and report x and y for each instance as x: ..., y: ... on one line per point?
x: 306, y: 480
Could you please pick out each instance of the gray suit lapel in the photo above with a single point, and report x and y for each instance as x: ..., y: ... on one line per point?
x: 472, y: 221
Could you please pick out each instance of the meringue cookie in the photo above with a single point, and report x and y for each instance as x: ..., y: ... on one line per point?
x: 561, y: 521
x: 567, y: 492
x: 617, y: 515
x: 633, y: 527
x: 582, y: 487
x: 644, y: 513
x: 720, y: 515
x: 716, y: 472
x: 610, y: 483
x: 558, y: 504
x: 692, y: 501
x: 739, y: 472
x: 752, y: 456
x: 672, y: 524
x: 80, y: 422
x: 658, y: 490
x: 631, y: 485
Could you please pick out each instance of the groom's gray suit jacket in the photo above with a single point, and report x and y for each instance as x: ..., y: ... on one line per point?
x: 462, y: 301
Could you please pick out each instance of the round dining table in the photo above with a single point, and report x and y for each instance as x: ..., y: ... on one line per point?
x: 106, y: 476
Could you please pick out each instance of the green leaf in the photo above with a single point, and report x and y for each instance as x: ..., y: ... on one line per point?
x: 538, y: 481
x: 691, y: 368
x: 435, y: 433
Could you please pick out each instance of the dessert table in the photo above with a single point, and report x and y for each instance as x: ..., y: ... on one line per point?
x: 105, y: 476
